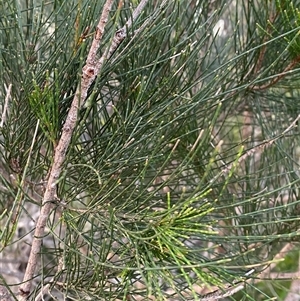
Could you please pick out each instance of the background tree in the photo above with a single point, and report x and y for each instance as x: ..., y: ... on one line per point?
x: 149, y: 150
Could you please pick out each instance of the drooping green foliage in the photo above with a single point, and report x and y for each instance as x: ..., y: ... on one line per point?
x: 183, y: 170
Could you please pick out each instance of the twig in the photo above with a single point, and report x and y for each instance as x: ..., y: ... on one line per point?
x: 264, y: 144
x: 46, y: 289
x: 220, y: 294
x: 228, y: 291
x: 20, y: 193
x: 121, y: 33
x: 138, y: 30
x: 89, y: 73
x: 7, y: 97
x: 278, y: 77
x: 261, y: 57
x: 279, y: 256
x: 239, y: 285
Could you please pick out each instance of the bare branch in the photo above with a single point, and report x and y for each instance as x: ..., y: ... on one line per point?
x: 121, y: 33
x: 136, y: 13
x: 89, y: 73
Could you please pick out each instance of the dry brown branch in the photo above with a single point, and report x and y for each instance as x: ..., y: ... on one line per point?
x: 89, y: 73
x: 262, y: 53
x: 256, y: 68
x: 278, y: 76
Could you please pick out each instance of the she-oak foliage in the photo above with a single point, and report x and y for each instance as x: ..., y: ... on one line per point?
x: 182, y: 174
